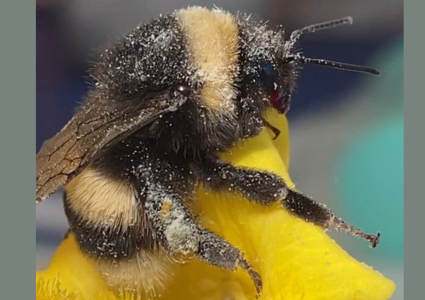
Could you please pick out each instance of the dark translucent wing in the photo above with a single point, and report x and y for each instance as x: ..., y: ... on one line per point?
x: 94, y: 126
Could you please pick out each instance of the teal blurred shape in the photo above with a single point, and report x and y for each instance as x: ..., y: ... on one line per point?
x: 371, y: 167
x: 371, y: 183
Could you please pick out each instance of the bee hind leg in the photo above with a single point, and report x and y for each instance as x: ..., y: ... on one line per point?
x: 182, y: 237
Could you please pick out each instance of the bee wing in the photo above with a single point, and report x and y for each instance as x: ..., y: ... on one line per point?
x: 92, y: 128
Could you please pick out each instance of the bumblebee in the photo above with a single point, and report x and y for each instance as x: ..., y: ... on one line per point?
x: 167, y: 98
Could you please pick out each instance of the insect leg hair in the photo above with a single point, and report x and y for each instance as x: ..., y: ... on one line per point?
x: 319, y: 214
x: 179, y: 232
x: 259, y: 186
x: 266, y: 188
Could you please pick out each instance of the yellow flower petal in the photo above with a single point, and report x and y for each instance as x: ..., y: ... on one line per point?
x: 295, y: 259
x: 69, y: 274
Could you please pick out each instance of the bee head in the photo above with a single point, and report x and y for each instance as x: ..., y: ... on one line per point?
x: 271, y: 61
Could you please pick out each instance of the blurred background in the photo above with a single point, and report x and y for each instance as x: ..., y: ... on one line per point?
x: 346, y: 128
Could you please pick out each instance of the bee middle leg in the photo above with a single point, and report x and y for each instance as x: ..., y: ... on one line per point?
x: 266, y: 188
x: 259, y: 186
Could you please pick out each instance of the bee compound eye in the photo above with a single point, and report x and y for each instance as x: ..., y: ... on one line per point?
x: 183, y: 89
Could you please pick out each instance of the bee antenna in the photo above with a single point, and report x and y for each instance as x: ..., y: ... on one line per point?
x: 296, y: 34
x: 332, y: 64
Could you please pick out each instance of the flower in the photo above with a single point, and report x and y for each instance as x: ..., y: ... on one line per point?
x: 296, y: 259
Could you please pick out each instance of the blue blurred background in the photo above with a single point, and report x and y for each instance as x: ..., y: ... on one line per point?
x: 346, y: 128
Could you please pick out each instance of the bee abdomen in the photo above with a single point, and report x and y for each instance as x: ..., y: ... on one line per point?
x: 106, y: 217
x: 112, y: 243
x: 110, y: 227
